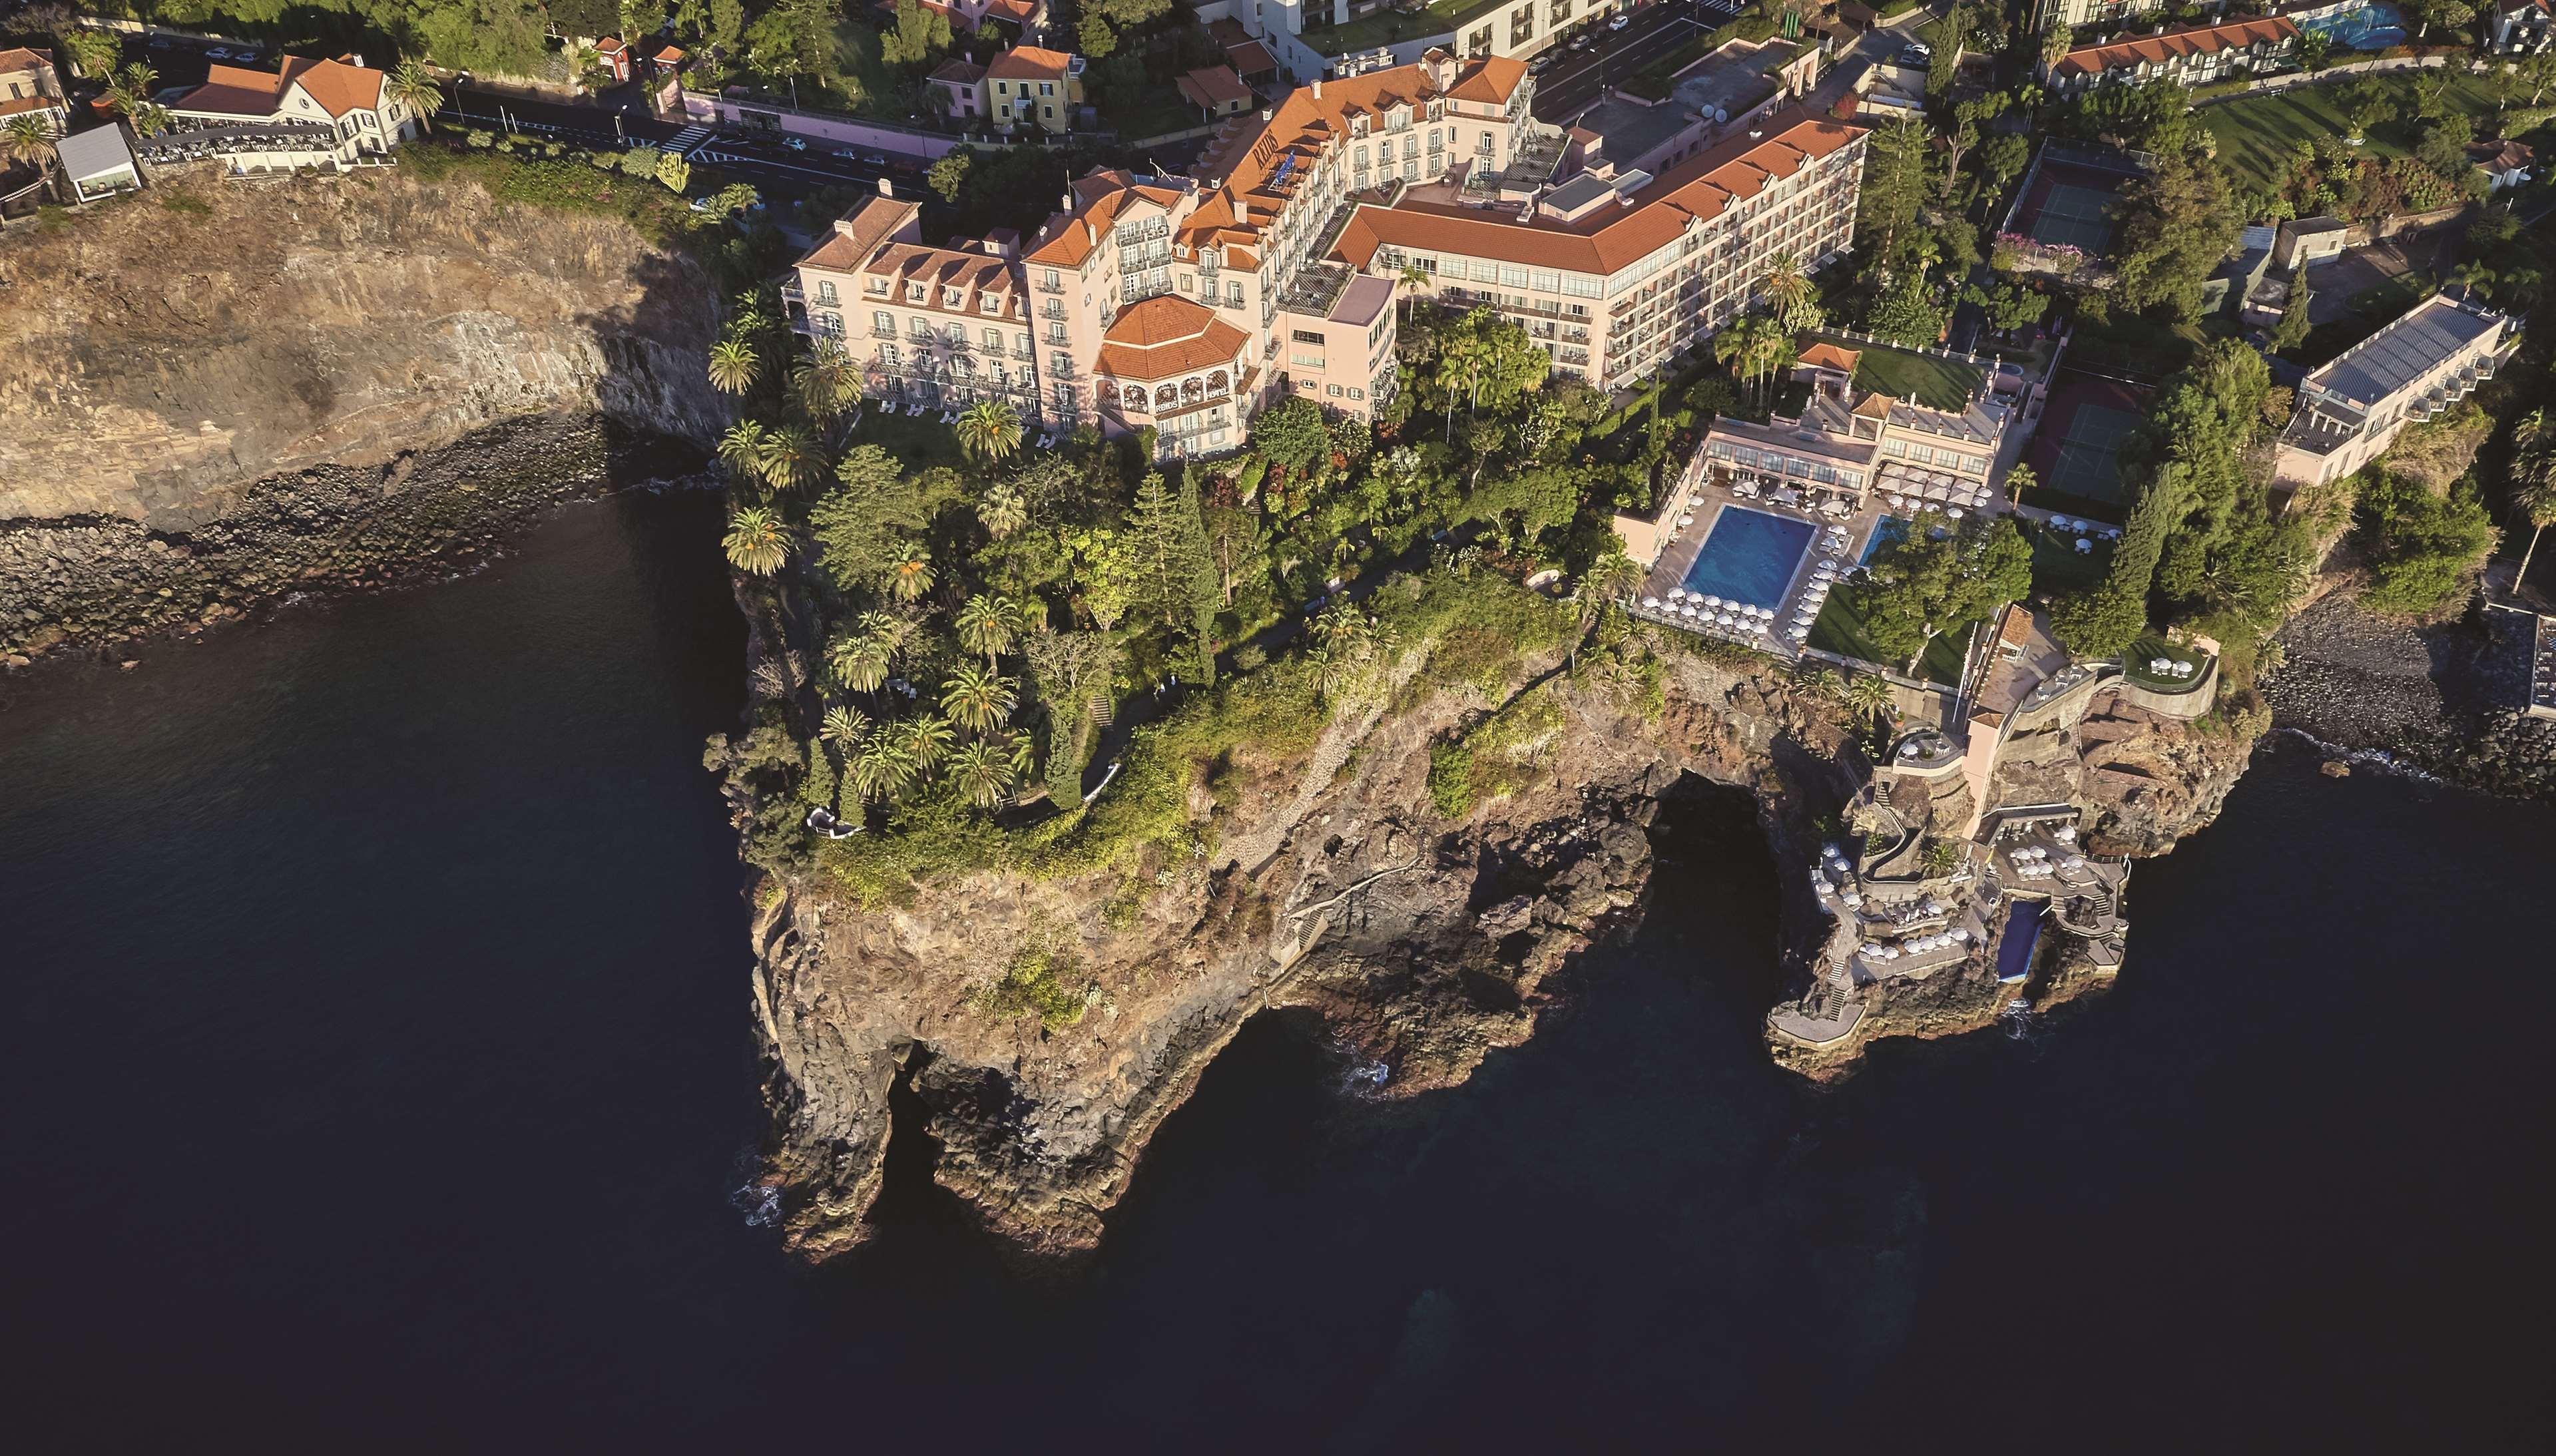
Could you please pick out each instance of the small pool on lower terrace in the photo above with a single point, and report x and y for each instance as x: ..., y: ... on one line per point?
x: 1750, y: 557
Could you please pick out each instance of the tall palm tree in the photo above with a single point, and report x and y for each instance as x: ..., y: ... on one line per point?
x: 1822, y: 684
x: 823, y: 382
x: 987, y: 624
x: 2533, y: 481
x: 1413, y: 278
x: 881, y: 769
x: 1003, y: 510
x: 1789, y: 293
x: 413, y: 87
x: 2018, y: 479
x: 791, y: 457
x: 976, y: 699
x: 25, y: 139
x: 860, y: 661
x: 983, y: 772
x: 911, y: 578
x: 733, y: 367
x: 989, y: 430
x: 925, y: 741
x: 741, y: 450
x: 757, y: 541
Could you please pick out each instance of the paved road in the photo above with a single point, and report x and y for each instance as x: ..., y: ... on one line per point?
x: 1575, y: 82
x: 780, y: 172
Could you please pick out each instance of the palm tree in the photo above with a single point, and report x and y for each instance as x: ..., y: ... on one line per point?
x: 413, y: 87
x: 2473, y: 277
x: 733, y: 367
x: 1789, y: 293
x: 989, y: 430
x: 2018, y: 479
x: 987, y: 624
x: 2533, y: 483
x: 1870, y: 694
x: 1002, y: 510
x: 976, y: 699
x: 790, y: 457
x: 845, y: 728
x: 911, y: 578
x: 924, y: 741
x: 1730, y: 348
x: 1822, y: 684
x: 983, y: 772
x: 823, y: 382
x: 1412, y: 278
x: 860, y: 661
x: 757, y: 541
x: 25, y: 139
x: 881, y: 769
x: 741, y: 450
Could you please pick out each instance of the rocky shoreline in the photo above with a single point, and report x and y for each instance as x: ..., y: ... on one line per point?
x: 2443, y: 700
x: 101, y: 585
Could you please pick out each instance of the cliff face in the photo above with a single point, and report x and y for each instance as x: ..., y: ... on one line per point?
x: 158, y: 356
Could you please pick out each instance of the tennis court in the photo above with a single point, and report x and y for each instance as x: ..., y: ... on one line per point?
x: 2077, y: 456
x: 2071, y: 205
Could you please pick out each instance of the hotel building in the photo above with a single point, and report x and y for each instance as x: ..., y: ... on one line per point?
x: 1185, y: 305
x: 2348, y: 412
x: 2193, y: 57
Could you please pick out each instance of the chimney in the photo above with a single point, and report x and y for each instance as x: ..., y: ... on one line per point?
x: 884, y: 190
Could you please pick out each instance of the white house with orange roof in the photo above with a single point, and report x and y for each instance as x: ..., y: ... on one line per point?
x: 346, y: 98
x: 29, y: 86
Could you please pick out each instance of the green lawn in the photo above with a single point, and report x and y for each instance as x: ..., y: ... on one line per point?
x: 1937, y: 383
x: 1385, y: 27
x: 2257, y: 133
x: 1839, y: 629
x: 2134, y: 664
x: 2058, y: 567
x: 865, y: 84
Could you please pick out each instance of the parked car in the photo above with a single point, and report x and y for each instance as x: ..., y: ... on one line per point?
x: 217, y: 52
x: 875, y: 159
x: 1619, y: 22
x: 1540, y: 64
x: 847, y: 154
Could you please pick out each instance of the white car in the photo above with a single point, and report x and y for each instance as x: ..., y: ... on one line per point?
x: 1619, y: 22
x: 218, y: 53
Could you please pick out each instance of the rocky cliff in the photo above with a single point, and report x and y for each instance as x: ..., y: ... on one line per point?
x: 262, y: 370
x: 1324, y: 881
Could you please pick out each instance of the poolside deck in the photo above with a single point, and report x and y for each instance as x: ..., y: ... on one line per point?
x: 1705, y: 499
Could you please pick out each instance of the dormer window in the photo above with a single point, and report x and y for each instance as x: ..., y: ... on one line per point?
x: 948, y: 298
x: 914, y: 293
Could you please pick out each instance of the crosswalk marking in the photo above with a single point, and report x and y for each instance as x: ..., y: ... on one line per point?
x: 689, y: 138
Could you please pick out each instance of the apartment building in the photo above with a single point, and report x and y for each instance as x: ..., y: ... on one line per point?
x: 344, y: 97
x: 2349, y: 411
x: 29, y: 86
x: 2077, y: 14
x: 940, y: 327
x: 2193, y: 57
x: 1850, y: 443
x: 1615, y: 276
x: 2523, y: 26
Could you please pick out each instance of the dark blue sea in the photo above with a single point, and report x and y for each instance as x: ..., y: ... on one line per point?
x: 375, y: 1076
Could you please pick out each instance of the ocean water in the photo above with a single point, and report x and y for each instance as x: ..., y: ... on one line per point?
x: 373, y: 1039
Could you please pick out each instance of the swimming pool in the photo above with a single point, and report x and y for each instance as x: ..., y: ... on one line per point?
x: 1750, y: 557
x: 1884, y: 531
x: 2361, y: 27
x: 2022, y: 933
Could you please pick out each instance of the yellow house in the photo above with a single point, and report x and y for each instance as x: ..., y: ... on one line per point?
x: 1035, y: 86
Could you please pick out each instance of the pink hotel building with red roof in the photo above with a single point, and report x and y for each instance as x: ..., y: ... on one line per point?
x: 1185, y: 305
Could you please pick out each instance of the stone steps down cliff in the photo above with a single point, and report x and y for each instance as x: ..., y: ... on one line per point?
x: 211, y: 391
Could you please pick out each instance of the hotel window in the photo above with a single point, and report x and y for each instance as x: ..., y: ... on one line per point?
x: 1059, y: 364
x: 883, y: 321
x: 887, y: 357
x: 1048, y: 279
x: 1003, y: 88
x: 1234, y: 295
x: 1055, y: 332
x: 1048, y: 88
x: 994, y: 340
x: 919, y: 329
x: 1545, y: 282
x: 826, y: 292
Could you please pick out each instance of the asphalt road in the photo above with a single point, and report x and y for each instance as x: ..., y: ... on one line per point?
x: 1575, y: 82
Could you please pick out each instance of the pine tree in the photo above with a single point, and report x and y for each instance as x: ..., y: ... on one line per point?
x: 1200, y: 582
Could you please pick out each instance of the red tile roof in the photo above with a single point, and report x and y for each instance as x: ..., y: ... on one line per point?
x: 2156, y: 50
x: 1029, y: 62
x: 1212, y: 86
x: 1168, y: 336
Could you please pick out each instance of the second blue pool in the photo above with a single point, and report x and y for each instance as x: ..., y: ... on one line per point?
x: 1749, y: 557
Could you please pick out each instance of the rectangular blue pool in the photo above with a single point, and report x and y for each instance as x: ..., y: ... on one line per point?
x: 1884, y: 531
x: 1749, y: 557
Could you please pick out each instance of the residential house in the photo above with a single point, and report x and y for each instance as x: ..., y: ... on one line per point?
x: 2523, y: 26
x: 1850, y: 443
x: 1216, y: 90
x: 1249, y: 58
x: 1619, y: 276
x: 2504, y: 164
x: 29, y: 86
x: 2349, y: 411
x: 99, y: 162
x: 2195, y: 56
x: 960, y: 88
x: 1033, y: 87
x: 343, y: 98
x: 617, y: 58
